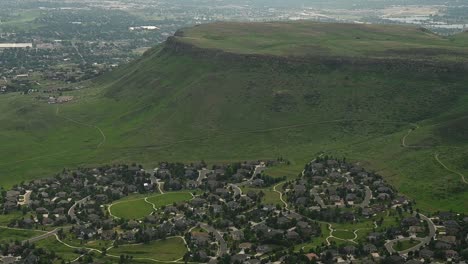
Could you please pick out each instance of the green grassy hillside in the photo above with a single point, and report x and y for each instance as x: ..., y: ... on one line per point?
x: 225, y: 92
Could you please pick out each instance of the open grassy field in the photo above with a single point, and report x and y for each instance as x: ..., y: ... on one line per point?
x: 11, y: 235
x: 163, y: 250
x: 68, y: 254
x: 140, y: 207
x: 231, y: 109
x: 291, y: 171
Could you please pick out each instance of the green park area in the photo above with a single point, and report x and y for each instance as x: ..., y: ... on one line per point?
x: 343, y: 234
x: 141, y: 207
x: 170, y: 249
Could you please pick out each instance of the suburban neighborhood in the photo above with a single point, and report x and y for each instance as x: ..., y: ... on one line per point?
x: 333, y: 212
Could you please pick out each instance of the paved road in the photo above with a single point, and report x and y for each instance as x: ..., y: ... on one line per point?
x: 389, y: 245
x: 41, y: 237
x: 432, y: 228
x: 424, y: 240
x: 71, y: 211
x: 202, y: 174
x: 367, y: 198
x: 236, y: 189
x: 222, y: 243
x: 78, y: 51
x: 258, y: 170
x: 318, y: 199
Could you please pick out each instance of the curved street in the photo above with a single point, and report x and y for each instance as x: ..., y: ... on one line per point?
x: 219, y: 237
x: 424, y: 240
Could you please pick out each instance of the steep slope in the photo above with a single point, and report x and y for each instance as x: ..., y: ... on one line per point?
x: 232, y: 88
x: 235, y: 91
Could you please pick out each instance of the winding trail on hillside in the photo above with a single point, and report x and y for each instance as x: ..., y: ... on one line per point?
x: 405, y: 137
x: 416, y: 127
x: 436, y: 156
x: 264, y: 131
x: 104, y: 138
x: 403, y: 140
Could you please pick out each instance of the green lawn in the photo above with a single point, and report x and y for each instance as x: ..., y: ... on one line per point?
x: 132, y: 209
x: 270, y: 196
x: 343, y: 234
x: 163, y: 250
x: 404, y: 245
x: 169, y: 198
x: 139, y: 208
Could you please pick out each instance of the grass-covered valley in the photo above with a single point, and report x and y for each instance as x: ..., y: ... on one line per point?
x: 393, y: 98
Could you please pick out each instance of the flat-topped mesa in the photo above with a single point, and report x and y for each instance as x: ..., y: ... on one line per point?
x: 332, y: 44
